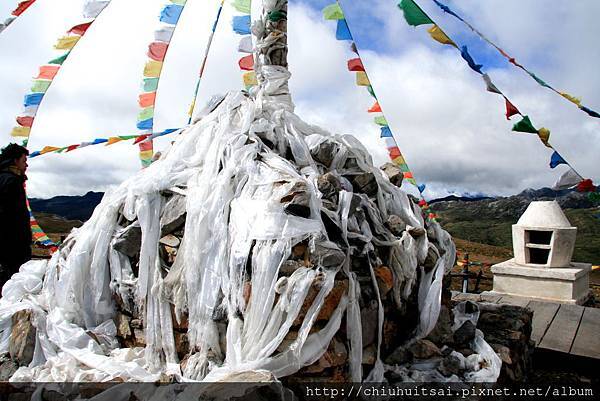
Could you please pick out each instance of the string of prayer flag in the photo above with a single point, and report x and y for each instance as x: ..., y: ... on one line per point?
x: 335, y: 12
x: 206, y: 52
x: 241, y: 25
x: 415, y: 16
x: 575, y: 100
x: 17, y: 12
x: 48, y: 72
x: 157, y: 51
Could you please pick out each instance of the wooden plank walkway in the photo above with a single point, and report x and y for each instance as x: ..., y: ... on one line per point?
x: 571, y: 329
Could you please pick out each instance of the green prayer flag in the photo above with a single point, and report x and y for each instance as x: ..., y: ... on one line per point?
x: 276, y: 16
x: 127, y: 137
x: 150, y: 84
x: 146, y: 113
x: 404, y: 168
x: 243, y: 6
x: 179, y: 2
x: 40, y: 86
x: 525, y: 125
x: 59, y: 60
x: 413, y: 14
x: 380, y: 120
x: 371, y: 91
x: 539, y: 80
x: 333, y: 11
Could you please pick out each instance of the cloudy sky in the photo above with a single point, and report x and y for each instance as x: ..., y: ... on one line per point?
x: 452, y: 132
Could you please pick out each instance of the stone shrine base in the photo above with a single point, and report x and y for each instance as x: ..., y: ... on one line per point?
x: 569, y: 285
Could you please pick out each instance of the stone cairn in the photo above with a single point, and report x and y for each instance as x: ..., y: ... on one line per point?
x: 256, y: 243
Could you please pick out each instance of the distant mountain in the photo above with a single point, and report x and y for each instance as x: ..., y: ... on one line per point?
x: 68, y: 207
x: 455, y: 198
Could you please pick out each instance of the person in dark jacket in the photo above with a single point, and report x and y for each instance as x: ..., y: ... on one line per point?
x: 15, y: 231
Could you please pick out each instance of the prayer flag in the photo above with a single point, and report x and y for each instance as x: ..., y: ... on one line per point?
x: 590, y: 112
x: 342, y: 31
x: 48, y: 72
x: 20, y: 131
x: 127, y: 137
x: 275, y: 16
x: 333, y: 12
x: 72, y: 147
x: 511, y: 110
x: 568, y: 179
x: 556, y: 159
x: 386, y: 132
x: 145, y: 145
x: 439, y: 36
x: 394, y: 152
x: 92, y: 9
x: 362, y: 79
x: 249, y: 79
x: 241, y: 24
x: 25, y: 121
x: 413, y: 14
x: 80, y: 29
x: 170, y: 13
x: 544, y: 134
x: 113, y: 139
x: 146, y: 113
x: 59, y: 60
x: 245, y: 45
x: 380, y: 120
x: 164, y: 34
x: 146, y: 124
x: 157, y: 50
x: 525, y: 125
x: 355, y: 65
x: 537, y: 79
x: 67, y: 42
x: 147, y: 99
x: 572, y: 99
x: 243, y: 6
x: 179, y: 2
x: 150, y: 84
x: 152, y: 69
x: 33, y: 99
x: 421, y: 190
x: 21, y: 7
x: 30, y: 111
x: 48, y: 149
x: 141, y: 138
x: 399, y: 160
x: 40, y: 86
x: 375, y: 108
x: 467, y: 57
x: 247, y: 63
x: 446, y: 9
x: 586, y: 186
x: 371, y: 91
x: 490, y: 85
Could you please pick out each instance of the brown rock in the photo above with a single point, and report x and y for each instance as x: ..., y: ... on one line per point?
x: 324, y: 153
x: 385, y: 280
x: 299, y: 250
x: 182, y: 345
x: 336, y: 355
x: 8, y: 367
x: 396, y: 225
x: 394, y: 173
x: 247, y: 291
x: 340, y: 287
x: 123, y: 329
x: 503, y: 352
x: 140, y: 338
x: 288, y: 267
x: 365, y: 183
x: 424, y: 349
x: 329, y: 185
x: 22, y: 338
x: 369, y: 355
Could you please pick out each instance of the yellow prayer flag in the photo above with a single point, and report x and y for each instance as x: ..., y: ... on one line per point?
x: 399, y: 160
x: 113, y: 139
x: 152, y: 69
x: 67, y: 42
x: 544, y: 134
x: 250, y: 79
x: 191, y: 110
x: 439, y: 36
x: 362, y: 79
x: 20, y: 131
x: 572, y: 99
x: 146, y: 154
x: 48, y: 149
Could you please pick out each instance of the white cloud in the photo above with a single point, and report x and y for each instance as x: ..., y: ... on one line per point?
x: 452, y: 132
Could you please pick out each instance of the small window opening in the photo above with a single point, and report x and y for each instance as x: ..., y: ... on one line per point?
x: 539, y: 237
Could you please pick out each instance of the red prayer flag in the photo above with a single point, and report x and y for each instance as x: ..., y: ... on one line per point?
x: 80, y: 29
x: 25, y: 121
x: 355, y: 65
x: 586, y: 186
x: 144, y: 146
x: 48, y: 72
x: 157, y: 50
x: 511, y: 110
x: 147, y: 99
x: 422, y: 203
x: 247, y: 63
x: 140, y: 138
x: 376, y: 108
x: 394, y: 152
x: 24, y: 5
x: 70, y: 148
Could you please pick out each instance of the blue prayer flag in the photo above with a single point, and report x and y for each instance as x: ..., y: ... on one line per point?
x: 421, y: 188
x: 33, y: 99
x: 386, y: 132
x: 34, y: 154
x: 342, y: 32
x: 465, y: 54
x: 145, y: 124
x: 171, y: 13
x: 590, y: 112
x: 99, y: 140
x: 556, y: 159
x: 241, y: 24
